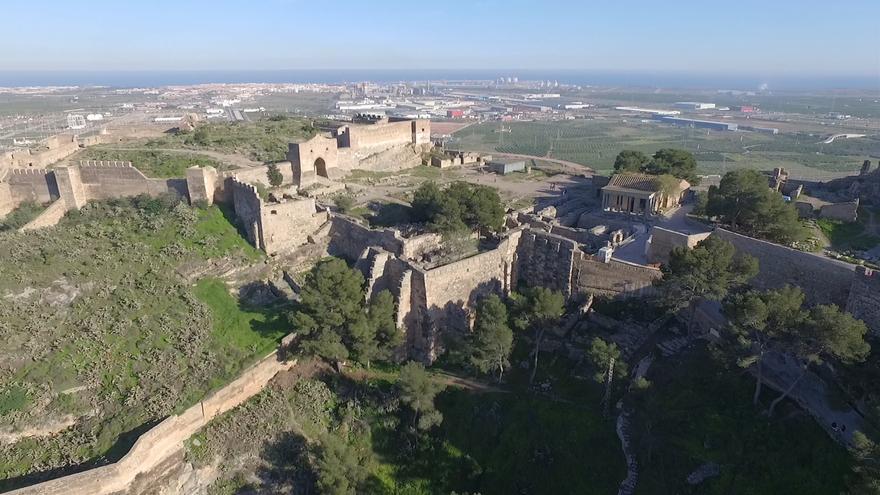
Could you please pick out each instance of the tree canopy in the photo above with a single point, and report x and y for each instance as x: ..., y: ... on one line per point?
x: 334, y: 321
x: 458, y: 207
x: 492, y: 339
x: 707, y: 271
x: 744, y: 201
x: 418, y: 391
x: 630, y: 161
x: 274, y: 175
x: 667, y: 161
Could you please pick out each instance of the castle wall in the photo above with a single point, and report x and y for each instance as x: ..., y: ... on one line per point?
x: 32, y: 184
x: 615, y: 278
x: 288, y: 224
x: 314, y: 157
x: 546, y: 260
x: 451, y: 291
x: 163, y: 440
x: 114, y: 179
x: 246, y: 202
x: 6, y: 204
x: 70, y: 186
x: 48, y: 217
x: 201, y: 183
x: 845, y: 212
x: 864, y: 298
x: 663, y: 241
x: 385, y: 135
x: 823, y: 280
x: 55, y: 148
x: 348, y: 239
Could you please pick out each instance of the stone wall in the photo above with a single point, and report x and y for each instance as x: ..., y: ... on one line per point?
x: 823, y: 280
x: 864, y: 298
x: 663, y: 241
x: 201, y: 183
x: 114, y: 179
x: 6, y: 204
x: 48, y: 217
x: 615, y: 278
x: 288, y: 224
x: 246, y: 202
x: 845, y: 212
x: 349, y: 239
x: 32, y: 184
x: 385, y: 135
x: 312, y: 158
x: 54, y: 149
x: 163, y: 440
x: 546, y: 260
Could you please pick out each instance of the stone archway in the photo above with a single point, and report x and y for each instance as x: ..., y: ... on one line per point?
x: 321, y: 167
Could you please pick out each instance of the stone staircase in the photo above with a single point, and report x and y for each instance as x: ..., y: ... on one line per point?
x: 628, y: 485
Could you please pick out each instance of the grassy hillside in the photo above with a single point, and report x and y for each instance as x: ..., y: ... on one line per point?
x: 101, y: 337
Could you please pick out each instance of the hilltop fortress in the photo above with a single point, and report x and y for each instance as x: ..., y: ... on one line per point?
x: 536, y: 249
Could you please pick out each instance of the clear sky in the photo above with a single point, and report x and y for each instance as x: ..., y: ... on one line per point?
x: 713, y: 36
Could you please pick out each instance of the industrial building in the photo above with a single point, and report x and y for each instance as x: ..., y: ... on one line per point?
x: 504, y: 167
x: 702, y: 124
x: 694, y: 105
x: 652, y: 111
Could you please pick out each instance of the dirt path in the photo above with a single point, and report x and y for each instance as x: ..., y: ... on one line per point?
x: 228, y: 158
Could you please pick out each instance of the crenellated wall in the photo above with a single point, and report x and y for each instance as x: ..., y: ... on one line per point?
x: 32, y: 184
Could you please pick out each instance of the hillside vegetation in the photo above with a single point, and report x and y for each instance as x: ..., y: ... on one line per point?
x: 102, y: 338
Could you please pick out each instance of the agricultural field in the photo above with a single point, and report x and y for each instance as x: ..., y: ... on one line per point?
x: 102, y: 336
x: 595, y: 143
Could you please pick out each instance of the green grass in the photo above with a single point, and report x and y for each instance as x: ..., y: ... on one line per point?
x: 12, y: 398
x: 158, y: 164
x: 698, y: 411
x: 263, y: 140
x: 845, y: 235
x: 20, y: 216
x: 119, y: 322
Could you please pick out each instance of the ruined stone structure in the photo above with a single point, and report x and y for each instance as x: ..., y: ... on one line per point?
x: 275, y: 227
x: 383, y: 145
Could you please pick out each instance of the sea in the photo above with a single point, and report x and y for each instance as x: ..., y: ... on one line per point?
x: 643, y: 79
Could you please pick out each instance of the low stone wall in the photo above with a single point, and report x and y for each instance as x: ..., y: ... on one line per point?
x: 823, y: 280
x: 663, y: 241
x: 164, y: 440
x: 48, y: 218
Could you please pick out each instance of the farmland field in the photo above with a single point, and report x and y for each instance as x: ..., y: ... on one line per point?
x: 595, y: 143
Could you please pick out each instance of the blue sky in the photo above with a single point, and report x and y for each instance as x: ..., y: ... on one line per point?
x: 733, y: 36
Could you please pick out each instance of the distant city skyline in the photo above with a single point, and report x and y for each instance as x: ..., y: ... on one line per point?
x: 767, y: 39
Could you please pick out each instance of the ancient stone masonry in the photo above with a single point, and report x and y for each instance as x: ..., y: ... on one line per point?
x: 547, y: 260
x: 823, y: 280
x: 663, y: 241
x: 613, y: 278
x: 864, y: 298
x: 274, y: 227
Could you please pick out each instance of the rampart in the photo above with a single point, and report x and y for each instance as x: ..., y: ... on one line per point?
x: 614, y: 278
x: 32, y: 184
x: 274, y: 227
x: 163, y: 440
x: 547, y: 260
x: 385, y: 135
x: 864, y: 298
x: 823, y: 280
x: 663, y: 241
x: 55, y: 148
x: 48, y: 217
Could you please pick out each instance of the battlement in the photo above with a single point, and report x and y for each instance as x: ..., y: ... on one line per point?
x: 105, y: 163
x: 30, y: 171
